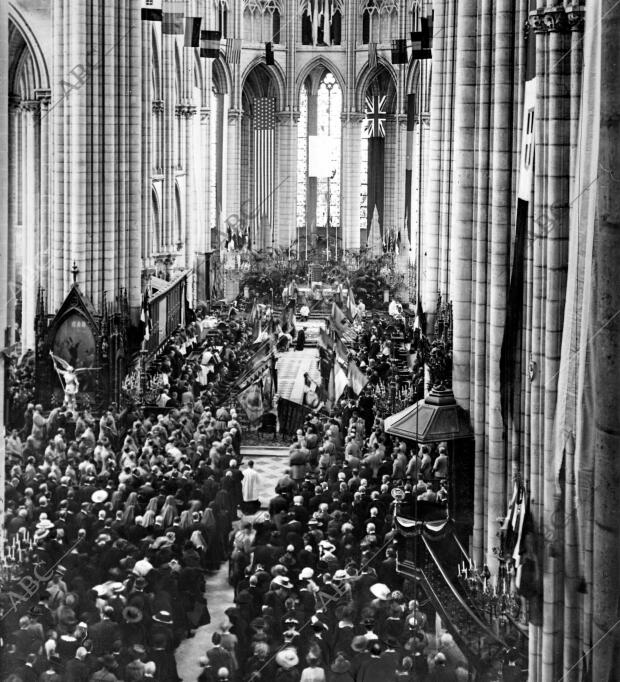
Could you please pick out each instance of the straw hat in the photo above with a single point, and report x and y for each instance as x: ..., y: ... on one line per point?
x: 381, y: 591
x: 287, y: 658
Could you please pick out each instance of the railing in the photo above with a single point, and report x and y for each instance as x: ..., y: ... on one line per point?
x: 167, y: 313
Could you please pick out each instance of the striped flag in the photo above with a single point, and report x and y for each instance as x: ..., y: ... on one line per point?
x: 411, y: 116
x: 233, y: 50
x: 264, y: 164
x: 151, y: 10
x: 357, y: 378
x: 210, y: 44
x: 172, y: 23
x: 372, y: 56
x: 399, y: 51
x: 145, y: 317
x: 422, y: 40
x: 192, y: 31
x: 324, y: 340
x: 513, y: 322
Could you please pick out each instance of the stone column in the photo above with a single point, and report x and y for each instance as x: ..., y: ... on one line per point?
x: 28, y: 243
x: 188, y: 113
x: 44, y: 185
x: 231, y: 168
x: 14, y: 205
x: 4, y: 233
x: 286, y: 178
x: 96, y: 130
x: 203, y: 243
x: 350, y: 187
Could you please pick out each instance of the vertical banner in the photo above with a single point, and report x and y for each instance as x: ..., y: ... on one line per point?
x: 264, y: 169
x: 411, y: 116
x: 376, y: 154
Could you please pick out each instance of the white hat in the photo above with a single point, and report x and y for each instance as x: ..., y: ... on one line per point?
x: 282, y: 581
x: 381, y: 591
x: 287, y: 658
x: 306, y: 573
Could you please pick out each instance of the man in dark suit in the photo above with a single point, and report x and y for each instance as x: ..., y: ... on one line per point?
x: 104, y: 633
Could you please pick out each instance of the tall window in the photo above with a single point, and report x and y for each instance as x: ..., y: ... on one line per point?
x: 318, y: 164
x: 221, y: 9
x: 321, y: 22
x: 329, y: 107
x: 379, y: 21
x: 261, y: 20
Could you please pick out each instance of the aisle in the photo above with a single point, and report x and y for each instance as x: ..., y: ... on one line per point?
x: 269, y: 462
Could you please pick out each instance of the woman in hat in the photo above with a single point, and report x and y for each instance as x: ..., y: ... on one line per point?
x: 287, y: 662
x: 340, y: 669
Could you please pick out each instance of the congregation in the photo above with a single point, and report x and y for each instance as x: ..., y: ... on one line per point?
x: 120, y: 518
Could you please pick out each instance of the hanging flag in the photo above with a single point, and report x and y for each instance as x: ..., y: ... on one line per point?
x: 357, y: 378
x: 145, y: 317
x: 342, y: 351
x: 151, y: 10
x: 340, y: 381
x: 192, y: 31
x: 210, y: 44
x: 351, y: 304
x: 372, y: 56
x: 513, y: 322
x: 264, y: 115
x: 375, y: 116
x: 233, y: 50
x: 420, y: 318
x: 421, y: 40
x: 338, y: 320
x: 324, y: 340
x: 269, y: 58
x: 172, y: 22
x: 251, y: 400
x: 411, y: 116
x: 399, y: 51
x: 288, y: 318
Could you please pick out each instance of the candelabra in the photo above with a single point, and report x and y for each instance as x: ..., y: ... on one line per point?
x: 491, y: 597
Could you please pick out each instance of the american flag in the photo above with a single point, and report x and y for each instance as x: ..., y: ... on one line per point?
x: 264, y: 167
x: 375, y: 116
x: 233, y: 50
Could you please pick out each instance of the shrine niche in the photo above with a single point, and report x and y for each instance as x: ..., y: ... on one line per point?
x: 80, y: 352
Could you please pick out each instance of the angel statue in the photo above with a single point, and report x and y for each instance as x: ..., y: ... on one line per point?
x: 68, y: 376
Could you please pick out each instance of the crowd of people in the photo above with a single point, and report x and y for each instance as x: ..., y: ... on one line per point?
x: 117, y: 520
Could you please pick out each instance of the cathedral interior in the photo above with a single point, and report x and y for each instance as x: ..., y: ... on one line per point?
x: 149, y: 144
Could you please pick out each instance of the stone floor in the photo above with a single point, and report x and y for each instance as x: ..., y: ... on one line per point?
x: 270, y: 460
x: 269, y: 464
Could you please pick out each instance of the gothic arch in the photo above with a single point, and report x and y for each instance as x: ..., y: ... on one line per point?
x: 259, y: 80
x: 22, y: 38
x: 221, y: 76
x: 315, y: 63
x: 366, y: 78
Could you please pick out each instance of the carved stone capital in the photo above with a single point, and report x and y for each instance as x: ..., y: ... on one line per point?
x: 555, y: 20
x: 287, y: 117
x: 158, y: 106
x: 44, y: 96
x: 234, y: 116
x: 576, y: 18
x: 32, y: 106
x: 185, y: 110
x: 205, y: 114
x: 14, y: 102
x: 351, y: 117
x: 537, y: 21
